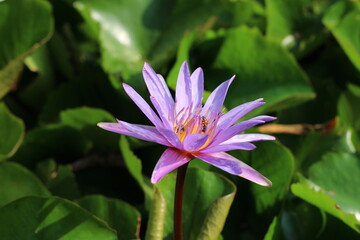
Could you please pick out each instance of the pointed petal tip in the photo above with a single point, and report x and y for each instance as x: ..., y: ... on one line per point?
x: 154, y: 179
x: 257, y: 178
x: 147, y: 69
x: 271, y: 118
x: 266, y: 183
x: 184, y: 64
x: 231, y: 80
x: 146, y: 65
x: 102, y: 125
x: 185, y: 69
x: 271, y: 138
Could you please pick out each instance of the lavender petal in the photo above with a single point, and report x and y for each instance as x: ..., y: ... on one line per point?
x: 217, y: 97
x: 147, y: 133
x: 169, y: 160
x: 234, y: 166
x: 143, y: 105
x: 193, y: 142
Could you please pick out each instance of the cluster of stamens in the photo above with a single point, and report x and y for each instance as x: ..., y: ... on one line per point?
x: 195, y: 122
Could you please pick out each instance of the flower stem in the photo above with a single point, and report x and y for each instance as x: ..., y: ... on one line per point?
x: 179, y: 192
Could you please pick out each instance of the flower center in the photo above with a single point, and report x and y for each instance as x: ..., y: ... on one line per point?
x: 196, y: 123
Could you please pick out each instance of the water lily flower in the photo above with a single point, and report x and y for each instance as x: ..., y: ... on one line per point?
x: 191, y: 130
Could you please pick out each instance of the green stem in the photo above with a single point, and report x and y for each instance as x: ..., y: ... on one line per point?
x: 179, y: 192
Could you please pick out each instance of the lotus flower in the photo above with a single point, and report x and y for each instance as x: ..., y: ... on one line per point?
x: 191, y: 130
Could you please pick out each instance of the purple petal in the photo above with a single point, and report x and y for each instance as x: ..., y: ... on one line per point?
x: 229, y: 147
x: 164, y: 114
x: 158, y: 89
x: 197, y: 87
x: 238, y: 128
x: 193, y: 142
x: 238, y: 112
x: 169, y: 99
x: 217, y: 97
x: 234, y: 166
x: 147, y: 133
x: 169, y: 160
x: 143, y: 105
x: 171, y: 137
x: 249, y: 137
x: 183, y: 89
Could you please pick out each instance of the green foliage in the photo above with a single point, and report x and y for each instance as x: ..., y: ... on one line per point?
x: 205, y: 208
x: 49, y: 218
x: 18, y: 21
x: 332, y: 186
x: 11, y: 135
x: 62, y: 177
x: 121, y: 216
x: 18, y: 182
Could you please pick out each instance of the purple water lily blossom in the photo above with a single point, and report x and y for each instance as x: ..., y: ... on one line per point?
x: 191, y: 130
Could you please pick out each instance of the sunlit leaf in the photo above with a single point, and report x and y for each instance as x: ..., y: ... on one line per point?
x: 263, y: 70
x: 11, y: 132
x: 156, y: 222
x: 17, y: 182
x: 278, y: 169
x: 133, y: 164
x: 204, y: 208
x: 82, y: 117
x: 343, y: 20
x: 51, y: 218
x: 332, y: 186
x: 18, y: 18
x: 51, y: 141
x: 150, y: 32
x: 121, y: 216
x: 294, y: 24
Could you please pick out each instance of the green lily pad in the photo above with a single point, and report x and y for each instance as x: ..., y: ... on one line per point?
x: 18, y: 18
x: 133, y: 164
x: 348, y: 108
x: 131, y: 32
x: 273, y: 232
x: 343, y: 20
x: 12, y: 132
x: 36, y: 92
x: 333, y: 186
x: 207, y: 200
x: 121, y: 216
x: 17, y: 182
x: 50, y: 218
x: 82, y: 117
x: 276, y: 163
x: 85, y: 119
x: 295, y: 24
x: 263, y: 70
x: 51, y: 141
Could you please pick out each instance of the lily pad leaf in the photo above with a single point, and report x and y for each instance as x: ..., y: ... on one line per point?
x: 133, y: 31
x: 18, y: 18
x: 333, y: 186
x: 207, y: 200
x: 121, y: 216
x: 133, y: 164
x: 51, y: 141
x: 50, y: 218
x: 295, y: 25
x: 279, y: 170
x: 17, y: 182
x: 82, y: 117
x: 343, y: 20
x: 12, y: 132
x: 263, y: 70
